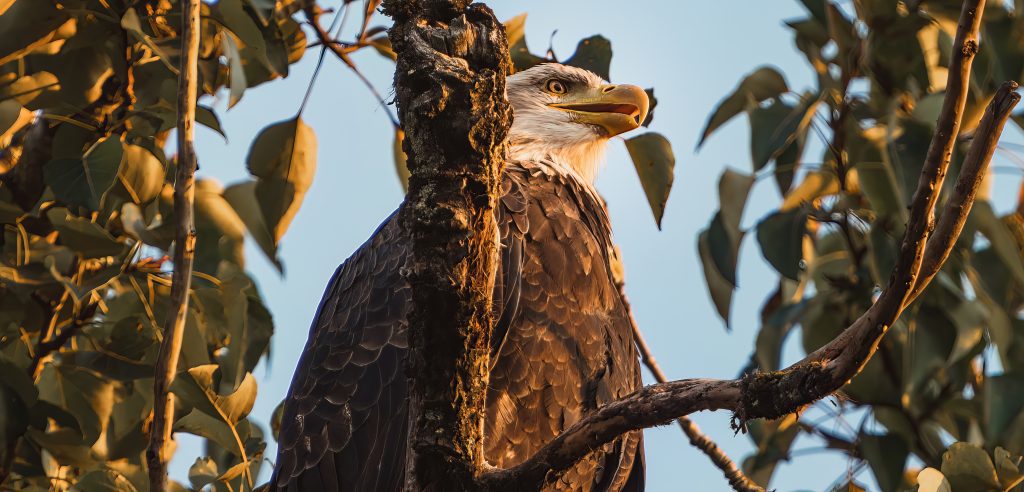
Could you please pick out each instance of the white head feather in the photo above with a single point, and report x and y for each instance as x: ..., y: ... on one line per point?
x: 541, y: 132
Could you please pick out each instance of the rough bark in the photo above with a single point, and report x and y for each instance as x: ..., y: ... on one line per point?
x: 450, y: 90
x: 184, y: 251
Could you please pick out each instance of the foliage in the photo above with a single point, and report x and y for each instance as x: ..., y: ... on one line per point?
x: 950, y: 369
x: 87, y: 217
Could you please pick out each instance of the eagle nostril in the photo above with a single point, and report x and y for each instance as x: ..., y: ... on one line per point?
x: 608, y: 88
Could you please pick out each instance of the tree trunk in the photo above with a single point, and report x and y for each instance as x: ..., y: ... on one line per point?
x: 450, y: 89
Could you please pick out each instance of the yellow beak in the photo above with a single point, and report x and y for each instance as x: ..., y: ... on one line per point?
x: 615, y: 108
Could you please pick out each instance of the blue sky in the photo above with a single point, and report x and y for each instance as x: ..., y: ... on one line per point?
x: 693, y: 53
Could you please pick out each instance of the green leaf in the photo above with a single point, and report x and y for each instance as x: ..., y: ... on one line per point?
x: 220, y: 232
x: 237, y: 81
x: 653, y: 103
x: 203, y: 472
x: 207, y: 117
x: 82, y: 236
x: 1008, y: 468
x: 242, y: 198
x: 89, y: 397
x: 718, y: 245
x: 515, y: 30
x: 197, y: 388
x: 10, y: 117
x: 249, y: 325
x: 275, y: 420
x: 27, y: 25
x: 776, y: 127
x: 66, y: 446
x: 1004, y: 404
x: 141, y: 173
x: 886, y: 454
x: 83, y: 182
x: 762, y: 84
x: 968, y: 468
x: 133, y: 25
x: 781, y: 237
x: 283, y: 157
x: 655, y: 163
x: 1000, y: 237
x: 773, y: 439
x: 594, y: 54
x: 14, y: 377
x: 932, y: 480
x: 198, y: 423
x: 103, y: 480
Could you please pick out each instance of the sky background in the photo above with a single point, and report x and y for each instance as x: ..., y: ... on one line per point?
x: 693, y: 53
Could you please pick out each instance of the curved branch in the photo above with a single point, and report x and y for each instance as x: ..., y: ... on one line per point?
x: 775, y: 394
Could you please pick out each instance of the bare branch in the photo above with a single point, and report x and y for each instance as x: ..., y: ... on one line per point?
x: 184, y: 250
x: 972, y: 174
x: 778, y: 393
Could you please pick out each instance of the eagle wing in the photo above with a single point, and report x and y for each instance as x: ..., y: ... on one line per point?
x: 345, y: 422
x: 345, y: 419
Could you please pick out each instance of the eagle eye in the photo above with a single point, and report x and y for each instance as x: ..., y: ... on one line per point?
x: 556, y: 86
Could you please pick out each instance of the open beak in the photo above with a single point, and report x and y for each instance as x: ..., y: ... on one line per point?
x: 615, y: 108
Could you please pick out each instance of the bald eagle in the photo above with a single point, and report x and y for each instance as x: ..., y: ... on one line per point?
x: 562, y: 344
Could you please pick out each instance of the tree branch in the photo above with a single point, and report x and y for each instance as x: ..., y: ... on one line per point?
x: 184, y: 250
x: 450, y: 89
x: 972, y: 174
x: 313, y: 16
x: 778, y: 393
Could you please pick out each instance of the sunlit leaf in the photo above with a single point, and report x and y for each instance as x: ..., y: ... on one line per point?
x: 28, y: 24
x: 197, y: 388
x: 237, y: 82
x: 283, y: 157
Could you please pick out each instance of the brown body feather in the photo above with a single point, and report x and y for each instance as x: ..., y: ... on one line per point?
x: 562, y: 347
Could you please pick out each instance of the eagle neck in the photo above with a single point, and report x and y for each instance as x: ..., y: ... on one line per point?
x: 582, y: 160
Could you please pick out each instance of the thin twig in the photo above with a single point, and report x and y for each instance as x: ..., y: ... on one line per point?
x: 737, y: 480
x: 184, y: 251
x: 313, y: 16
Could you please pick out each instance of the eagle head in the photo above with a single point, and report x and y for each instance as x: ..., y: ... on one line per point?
x: 566, y: 115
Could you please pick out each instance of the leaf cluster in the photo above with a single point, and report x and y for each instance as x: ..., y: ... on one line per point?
x: 880, y: 73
